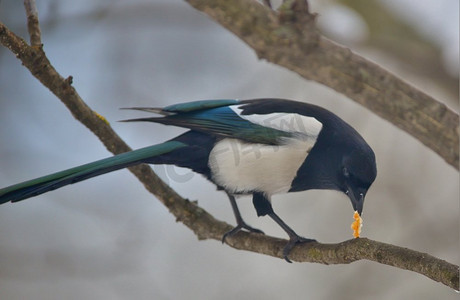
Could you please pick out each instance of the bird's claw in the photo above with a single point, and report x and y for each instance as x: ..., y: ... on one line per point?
x: 294, y: 240
x: 240, y: 227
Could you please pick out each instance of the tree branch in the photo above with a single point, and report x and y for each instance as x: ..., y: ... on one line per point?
x: 204, y: 225
x: 288, y: 37
x: 33, y: 25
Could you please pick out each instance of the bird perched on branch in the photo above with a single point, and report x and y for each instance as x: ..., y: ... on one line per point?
x: 255, y: 147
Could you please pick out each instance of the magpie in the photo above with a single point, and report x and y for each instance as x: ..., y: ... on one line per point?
x: 258, y: 147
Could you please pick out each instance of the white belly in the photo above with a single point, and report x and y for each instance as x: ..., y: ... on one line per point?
x: 242, y: 167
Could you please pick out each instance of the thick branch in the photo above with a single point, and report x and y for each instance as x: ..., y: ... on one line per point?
x: 289, y: 38
x: 204, y: 225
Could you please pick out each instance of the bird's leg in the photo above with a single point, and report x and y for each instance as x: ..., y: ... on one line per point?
x: 240, y: 224
x: 264, y: 207
x: 294, y: 238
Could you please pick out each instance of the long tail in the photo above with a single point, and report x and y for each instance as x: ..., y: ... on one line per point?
x: 54, y: 181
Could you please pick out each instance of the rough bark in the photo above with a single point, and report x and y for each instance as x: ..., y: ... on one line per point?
x: 288, y: 37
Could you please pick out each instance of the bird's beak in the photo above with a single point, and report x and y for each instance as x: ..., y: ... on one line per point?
x: 357, y: 199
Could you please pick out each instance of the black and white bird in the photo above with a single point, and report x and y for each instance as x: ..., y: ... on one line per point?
x: 258, y: 147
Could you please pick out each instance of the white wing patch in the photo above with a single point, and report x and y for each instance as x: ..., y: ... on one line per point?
x: 288, y: 122
x: 243, y: 167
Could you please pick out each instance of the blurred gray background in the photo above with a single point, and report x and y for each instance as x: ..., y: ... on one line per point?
x: 107, y: 238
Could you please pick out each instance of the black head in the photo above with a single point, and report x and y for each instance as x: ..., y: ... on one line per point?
x: 358, y: 172
x: 340, y: 160
x: 333, y: 163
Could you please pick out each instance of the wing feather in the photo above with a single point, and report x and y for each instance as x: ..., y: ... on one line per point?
x: 217, y: 118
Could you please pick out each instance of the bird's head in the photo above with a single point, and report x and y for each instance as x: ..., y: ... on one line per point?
x: 357, y: 174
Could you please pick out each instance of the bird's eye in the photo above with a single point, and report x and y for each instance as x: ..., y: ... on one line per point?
x: 345, y: 172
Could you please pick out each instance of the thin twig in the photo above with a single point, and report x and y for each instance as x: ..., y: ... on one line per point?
x: 33, y: 25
